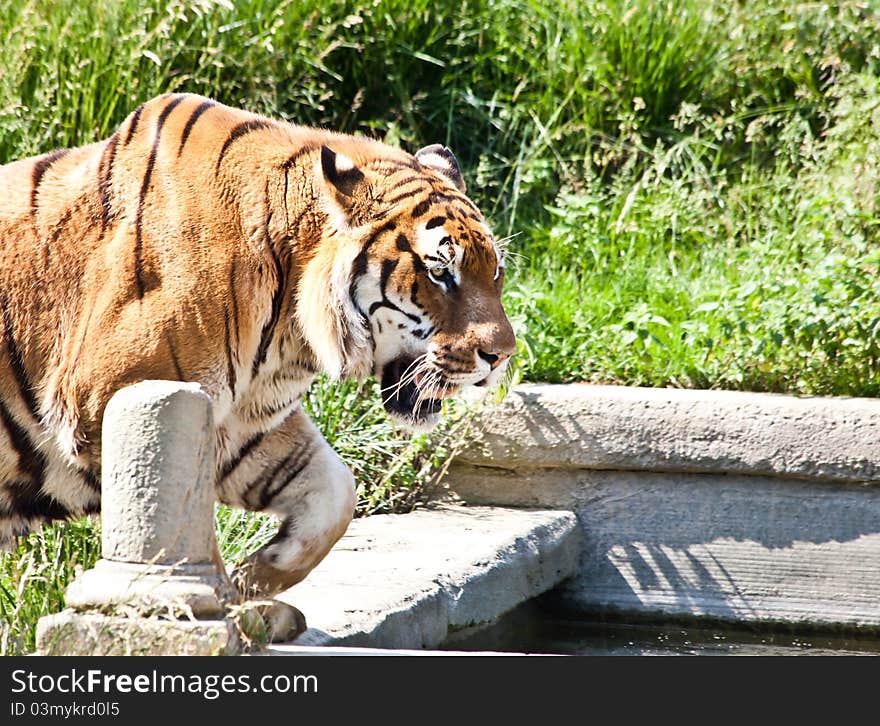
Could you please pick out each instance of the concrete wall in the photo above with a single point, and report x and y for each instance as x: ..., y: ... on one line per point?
x: 737, y: 506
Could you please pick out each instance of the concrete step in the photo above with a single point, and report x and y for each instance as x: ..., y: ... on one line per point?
x: 407, y: 581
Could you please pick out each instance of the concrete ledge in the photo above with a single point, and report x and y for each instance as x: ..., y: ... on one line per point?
x: 734, y: 506
x: 736, y: 548
x: 670, y: 430
x: 404, y: 581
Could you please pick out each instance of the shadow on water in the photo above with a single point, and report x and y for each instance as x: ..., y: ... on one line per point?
x: 532, y: 628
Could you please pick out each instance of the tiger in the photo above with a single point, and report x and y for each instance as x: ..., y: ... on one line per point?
x: 209, y: 244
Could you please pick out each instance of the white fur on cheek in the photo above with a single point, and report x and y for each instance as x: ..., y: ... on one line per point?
x: 326, y: 315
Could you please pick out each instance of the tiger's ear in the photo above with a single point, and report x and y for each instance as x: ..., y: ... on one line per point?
x: 440, y: 159
x: 340, y: 172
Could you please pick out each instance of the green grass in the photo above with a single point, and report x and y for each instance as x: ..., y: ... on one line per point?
x: 688, y: 189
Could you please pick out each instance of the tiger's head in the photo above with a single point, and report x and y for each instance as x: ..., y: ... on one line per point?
x: 411, y: 276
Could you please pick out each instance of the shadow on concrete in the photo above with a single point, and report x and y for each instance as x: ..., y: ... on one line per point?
x: 726, y: 545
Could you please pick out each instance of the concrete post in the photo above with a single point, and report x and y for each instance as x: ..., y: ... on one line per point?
x: 158, y: 543
x: 157, y: 466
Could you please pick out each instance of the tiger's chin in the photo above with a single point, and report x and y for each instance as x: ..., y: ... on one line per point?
x: 409, y: 399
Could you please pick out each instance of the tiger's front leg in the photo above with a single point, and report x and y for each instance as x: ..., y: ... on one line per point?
x: 292, y: 473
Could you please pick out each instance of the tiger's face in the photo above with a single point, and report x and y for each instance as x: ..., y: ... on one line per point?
x: 424, y: 284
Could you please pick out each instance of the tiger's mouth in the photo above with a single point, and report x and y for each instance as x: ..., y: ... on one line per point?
x: 412, y: 395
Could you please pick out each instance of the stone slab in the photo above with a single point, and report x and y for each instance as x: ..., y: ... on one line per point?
x: 404, y: 581
x: 731, y: 547
x: 671, y: 430
x: 93, y: 634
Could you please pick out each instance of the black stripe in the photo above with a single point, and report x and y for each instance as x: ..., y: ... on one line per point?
x: 17, y: 363
x: 231, y: 327
x: 381, y: 214
x: 284, y: 471
x: 194, y: 116
x: 132, y: 127
x: 269, y: 492
x: 269, y: 327
x: 435, y: 222
x: 233, y: 299
x: 145, y: 186
x: 450, y: 195
x: 267, y: 205
x: 421, y: 208
x: 27, y: 498
x: 284, y: 201
x: 358, y: 269
x: 177, y: 369
x: 41, y: 166
x: 164, y: 115
x: 105, y: 176
x: 409, y: 180
x: 240, y: 130
x: 263, y: 481
x: 230, y: 366
x: 391, y: 306
x: 359, y: 266
x: 91, y: 479
x: 400, y: 164
x: 295, y: 156
x: 246, y: 449
x: 403, y: 195
x: 404, y: 246
x: 388, y: 266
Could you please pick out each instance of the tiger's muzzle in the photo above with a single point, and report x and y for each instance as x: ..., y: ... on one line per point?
x: 414, y: 392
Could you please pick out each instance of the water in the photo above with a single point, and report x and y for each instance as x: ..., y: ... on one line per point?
x: 528, y: 629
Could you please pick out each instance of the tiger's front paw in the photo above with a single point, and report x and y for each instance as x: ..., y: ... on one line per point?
x: 283, y: 622
x: 269, y: 621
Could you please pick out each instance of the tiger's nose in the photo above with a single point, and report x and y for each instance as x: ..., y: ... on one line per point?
x: 493, y: 359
